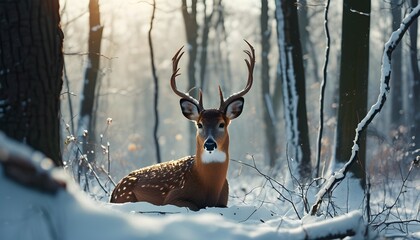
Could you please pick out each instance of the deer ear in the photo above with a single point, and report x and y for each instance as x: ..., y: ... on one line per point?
x: 234, y: 109
x: 189, y: 109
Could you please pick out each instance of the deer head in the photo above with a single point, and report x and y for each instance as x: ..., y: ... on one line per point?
x: 212, y: 134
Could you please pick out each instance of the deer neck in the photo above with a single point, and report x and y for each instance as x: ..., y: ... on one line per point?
x: 211, y: 168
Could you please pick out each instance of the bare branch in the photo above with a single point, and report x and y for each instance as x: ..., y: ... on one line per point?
x: 394, y: 40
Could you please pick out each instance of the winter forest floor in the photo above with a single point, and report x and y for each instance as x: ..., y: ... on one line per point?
x: 260, y: 207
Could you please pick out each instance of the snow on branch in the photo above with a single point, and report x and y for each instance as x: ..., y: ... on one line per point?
x: 393, y: 41
x: 348, y: 225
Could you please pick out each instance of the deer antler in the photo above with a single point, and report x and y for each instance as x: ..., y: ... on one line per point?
x: 175, y: 73
x: 250, y: 64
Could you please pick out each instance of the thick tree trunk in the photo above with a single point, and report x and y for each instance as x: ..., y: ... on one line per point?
x: 31, y: 67
x: 353, y: 83
x: 415, y: 86
x: 396, y: 83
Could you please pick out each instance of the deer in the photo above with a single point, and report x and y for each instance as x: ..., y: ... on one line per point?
x: 196, y: 181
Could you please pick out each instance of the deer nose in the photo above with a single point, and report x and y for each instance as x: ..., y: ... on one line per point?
x: 210, y: 145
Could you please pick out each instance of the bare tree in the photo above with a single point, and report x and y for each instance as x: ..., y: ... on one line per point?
x: 268, y: 110
x: 31, y: 69
x: 396, y: 94
x: 294, y: 93
x: 156, y: 84
x: 87, y: 115
x: 308, y: 48
x: 415, y: 84
x: 322, y: 90
x: 223, y: 63
x: 86, y: 122
x: 207, y: 20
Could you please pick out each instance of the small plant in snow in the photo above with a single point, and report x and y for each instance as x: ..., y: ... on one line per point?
x: 77, y: 158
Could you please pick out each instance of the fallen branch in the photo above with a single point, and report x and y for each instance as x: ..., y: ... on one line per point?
x: 348, y: 225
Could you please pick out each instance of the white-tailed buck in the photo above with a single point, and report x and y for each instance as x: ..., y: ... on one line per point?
x: 197, y: 181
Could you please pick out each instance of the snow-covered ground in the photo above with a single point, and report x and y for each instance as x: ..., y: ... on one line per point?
x: 28, y: 213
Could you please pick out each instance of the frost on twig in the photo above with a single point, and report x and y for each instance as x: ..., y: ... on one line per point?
x: 393, y: 41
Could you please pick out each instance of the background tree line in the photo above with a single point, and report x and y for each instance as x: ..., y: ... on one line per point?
x: 111, y: 69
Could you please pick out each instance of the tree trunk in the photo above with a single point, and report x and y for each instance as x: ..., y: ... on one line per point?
x: 308, y: 48
x: 31, y: 67
x: 353, y: 83
x: 156, y: 87
x: 207, y: 19
x: 191, y: 30
x: 86, y: 115
x: 294, y: 93
x: 222, y: 64
x: 396, y: 83
x: 415, y: 86
x: 268, y: 112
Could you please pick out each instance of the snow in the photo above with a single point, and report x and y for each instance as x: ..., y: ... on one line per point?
x: 69, y: 213
x: 96, y: 28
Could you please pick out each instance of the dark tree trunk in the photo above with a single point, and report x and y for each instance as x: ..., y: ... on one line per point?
x: 353, y: 83
x: 396, y: 83
x: 87, y: 114
x: 415, y: 85
x: 31, y: 67
x: 294, y: 92
x: 156, y: 86
x: 268, y: 112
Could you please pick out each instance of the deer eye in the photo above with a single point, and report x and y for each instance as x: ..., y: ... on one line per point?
x: 221, y: 125
x: 199, y: 125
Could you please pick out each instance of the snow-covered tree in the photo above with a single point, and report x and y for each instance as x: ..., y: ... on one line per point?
x: 294, y: 93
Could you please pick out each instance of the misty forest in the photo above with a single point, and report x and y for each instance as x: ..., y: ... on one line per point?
x: 317, y: 131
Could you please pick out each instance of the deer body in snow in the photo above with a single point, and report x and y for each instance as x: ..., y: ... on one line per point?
x: 197, y: 181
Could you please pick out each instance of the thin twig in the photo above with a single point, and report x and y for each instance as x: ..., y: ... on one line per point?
x: 272, y: 181
x: 69, y: 94
x: 85, y: 160
x: 400, y: 192
x: 87, y: 53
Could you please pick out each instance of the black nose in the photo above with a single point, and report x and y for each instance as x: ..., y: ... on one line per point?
x: 210, y: 145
